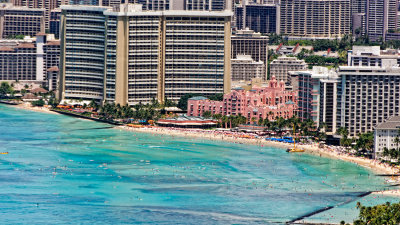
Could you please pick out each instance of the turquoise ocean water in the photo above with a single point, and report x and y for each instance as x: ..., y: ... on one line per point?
x: 63, y: 170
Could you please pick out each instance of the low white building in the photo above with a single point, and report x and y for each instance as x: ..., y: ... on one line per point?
x: 245, y: 68
x: 385, y: 135
x: 282, y: 65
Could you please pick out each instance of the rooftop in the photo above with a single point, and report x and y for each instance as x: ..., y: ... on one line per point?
x: 53, y: 43
x: 198, y: 98
x: 6, y: 49
x: 25, y: 45
x: 39, y: 90
x: 53, y: 69
x: 393, y: 123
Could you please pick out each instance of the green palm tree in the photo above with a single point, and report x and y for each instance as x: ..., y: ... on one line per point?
x: 207, y: 114
x: 253, y: 120
x: 308, y: 125
x: 280, y: 123
x: 225, y: 120
x: 218, y: 118
x: 397, y: 141
x: 241, y: 119
x: 344, y: 133
x: 385, y: 152
x: 266, y: 123
x: 260, y: 121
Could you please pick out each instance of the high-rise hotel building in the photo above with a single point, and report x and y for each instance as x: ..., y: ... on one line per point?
x: 370, y: 89
x: 315, y: 18
x: 381, y: 18
x: 20, y: 20
x: 131, y: 56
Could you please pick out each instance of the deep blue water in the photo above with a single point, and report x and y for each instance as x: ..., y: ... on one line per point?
x: 63, y: 170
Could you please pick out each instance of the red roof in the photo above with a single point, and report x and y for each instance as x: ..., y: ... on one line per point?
x: 26, y: 45
x: 6, y: 49
x: 53, y: 69
x: 39, y: 90
x: 30, y: 96
x: 53, y: 43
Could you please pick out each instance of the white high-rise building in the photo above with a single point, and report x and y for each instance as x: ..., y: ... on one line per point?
x: 370, y: 89
x: 131, y: 56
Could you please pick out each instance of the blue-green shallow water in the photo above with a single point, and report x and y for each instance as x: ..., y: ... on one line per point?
x: 348, y: 212
x: 63, y: 170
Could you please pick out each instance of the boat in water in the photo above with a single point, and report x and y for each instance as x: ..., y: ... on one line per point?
x: 294, y: 150
x: 3, y: 153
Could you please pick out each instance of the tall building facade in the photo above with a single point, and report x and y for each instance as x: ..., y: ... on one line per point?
x: 373, y: 56
x: 205, y: 5
x: 20, y: 20
x: 315, y: 18
x: 369, y: 90
x: 19, y: 62
x: 82, y: 57
x: 381, y: 18
x: 260, y: 18
x: 54, y: 23
x: 148, y: 54
x: 359, y: 97
x: 369, y: 96
x: 47, y: 5
x: 159, y: 5
x: 317, y: 96
x: 358, y: 6
x: 247, y: 42
x: 385, y: 136
x: 28, y: 59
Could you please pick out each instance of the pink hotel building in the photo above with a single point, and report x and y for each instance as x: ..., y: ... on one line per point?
x: 260, y: 102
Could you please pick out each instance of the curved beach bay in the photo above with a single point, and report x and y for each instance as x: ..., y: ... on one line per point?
x: 62, y: 170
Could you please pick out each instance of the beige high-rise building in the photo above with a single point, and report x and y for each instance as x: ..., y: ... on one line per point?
x: 131, y: 56
x: 315, y: 18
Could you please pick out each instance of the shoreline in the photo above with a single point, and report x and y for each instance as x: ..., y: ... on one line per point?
x: 376, y: 166
x: 27, y: 106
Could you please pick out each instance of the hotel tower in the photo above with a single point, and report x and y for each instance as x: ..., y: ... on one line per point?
x: 127, y: 56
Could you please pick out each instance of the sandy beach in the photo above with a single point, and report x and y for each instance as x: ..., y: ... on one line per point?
x: 27, y: 106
